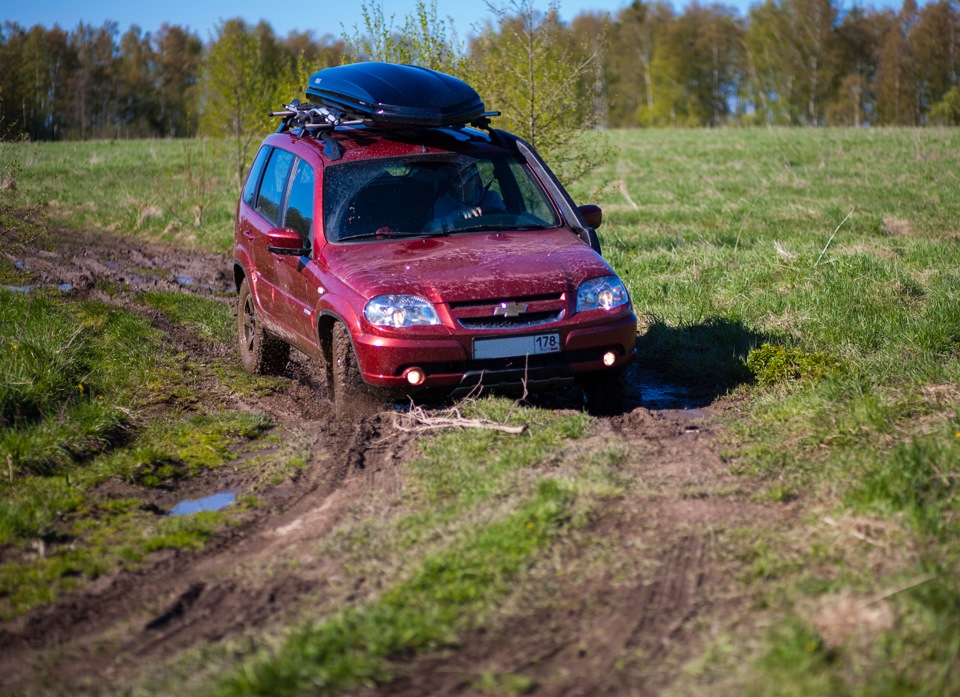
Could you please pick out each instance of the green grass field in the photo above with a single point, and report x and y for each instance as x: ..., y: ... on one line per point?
x: 809, y: 277
x: 840, y: 249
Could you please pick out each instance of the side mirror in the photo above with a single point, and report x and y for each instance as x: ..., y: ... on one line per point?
x: 592, y: 215
x: 284, y: 240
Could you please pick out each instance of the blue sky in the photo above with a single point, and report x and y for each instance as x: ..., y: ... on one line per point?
x: 326, y: 17
x: 334, y: 17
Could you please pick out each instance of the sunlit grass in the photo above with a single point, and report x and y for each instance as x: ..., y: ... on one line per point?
x: 810, y: 277
x: 180, y: 191
x: 831, y: 258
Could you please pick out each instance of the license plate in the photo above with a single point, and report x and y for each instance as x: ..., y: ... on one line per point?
x: 516, y: 346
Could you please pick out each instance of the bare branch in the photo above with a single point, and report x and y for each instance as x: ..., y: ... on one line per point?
x: 417, y: 420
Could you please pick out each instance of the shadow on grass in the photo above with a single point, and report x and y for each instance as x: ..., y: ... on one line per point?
x: 690, y: 366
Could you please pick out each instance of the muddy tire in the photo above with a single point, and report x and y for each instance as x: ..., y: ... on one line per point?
x: 260, y: 353
x: 351, y: 397
x: 604, y: 392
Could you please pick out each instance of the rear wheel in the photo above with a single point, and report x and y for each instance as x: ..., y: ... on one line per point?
x: 260, y: 353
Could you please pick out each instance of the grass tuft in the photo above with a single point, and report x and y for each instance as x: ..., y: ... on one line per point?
x: 775, y: 365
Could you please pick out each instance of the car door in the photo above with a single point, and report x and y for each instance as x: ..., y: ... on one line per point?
x: 267, y: 210
x: 296, y: 294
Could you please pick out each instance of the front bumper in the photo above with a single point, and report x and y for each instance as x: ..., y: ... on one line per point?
x: 447, y: 361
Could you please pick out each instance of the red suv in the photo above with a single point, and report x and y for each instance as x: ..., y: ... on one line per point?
x: 383, y: 235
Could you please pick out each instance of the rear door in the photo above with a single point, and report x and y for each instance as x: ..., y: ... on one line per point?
x: 267, y: 209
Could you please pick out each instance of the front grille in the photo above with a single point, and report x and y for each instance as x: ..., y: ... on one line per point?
x: 529, y: 319
x: 509, y: 313
x: 493, y: 302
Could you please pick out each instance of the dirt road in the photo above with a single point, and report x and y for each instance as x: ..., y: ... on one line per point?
x: 616, y: 629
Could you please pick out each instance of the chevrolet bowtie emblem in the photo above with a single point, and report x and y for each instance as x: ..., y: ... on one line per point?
x: 509, y: 310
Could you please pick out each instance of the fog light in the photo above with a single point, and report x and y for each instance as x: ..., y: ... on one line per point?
x: 609, y: 358
x: 414, y: 376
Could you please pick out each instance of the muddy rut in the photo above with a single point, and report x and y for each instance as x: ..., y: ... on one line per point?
x: 604, y: 635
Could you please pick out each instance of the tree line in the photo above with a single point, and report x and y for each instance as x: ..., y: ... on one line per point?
x: 790, y: 62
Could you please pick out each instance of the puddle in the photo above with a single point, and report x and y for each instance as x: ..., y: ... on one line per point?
x: 645, y: 389
x: 209, y: 503
x: 660, y: 395
x: 29, y: 289
x: 186, y: 281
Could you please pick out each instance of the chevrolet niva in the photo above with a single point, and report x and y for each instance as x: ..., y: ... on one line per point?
x: 390, y: 232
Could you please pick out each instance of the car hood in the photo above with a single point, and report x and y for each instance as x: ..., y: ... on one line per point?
x: 474, y: 266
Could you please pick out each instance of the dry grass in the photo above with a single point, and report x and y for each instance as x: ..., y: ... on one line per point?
x: 844, y: 617
x: 895, y: 227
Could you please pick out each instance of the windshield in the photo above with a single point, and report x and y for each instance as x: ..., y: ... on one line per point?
x: 427, y: 195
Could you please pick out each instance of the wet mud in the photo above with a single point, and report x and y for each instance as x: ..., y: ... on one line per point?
x: 601, y: 635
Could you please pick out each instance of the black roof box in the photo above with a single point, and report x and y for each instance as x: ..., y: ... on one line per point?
x: 392, y: 96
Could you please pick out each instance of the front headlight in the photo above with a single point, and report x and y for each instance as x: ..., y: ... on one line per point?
x: 606, y: 292
x: 400, y: 311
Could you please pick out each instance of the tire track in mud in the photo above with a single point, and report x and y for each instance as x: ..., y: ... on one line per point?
x: 187, y: 598
x: 631, y: 639
x: 182, y: 598
x: 600, y: 635
x: 603, y: 635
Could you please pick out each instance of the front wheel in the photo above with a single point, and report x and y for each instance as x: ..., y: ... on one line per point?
x: 351, y: 397
x: 260, y: 353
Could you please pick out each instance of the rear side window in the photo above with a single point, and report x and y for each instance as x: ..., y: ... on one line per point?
x: 299, y: 215
x: 273, y: 184
x: 253, y: 177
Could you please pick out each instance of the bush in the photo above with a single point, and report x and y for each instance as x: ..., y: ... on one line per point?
x: 774, y: 365
x: 947, y: 110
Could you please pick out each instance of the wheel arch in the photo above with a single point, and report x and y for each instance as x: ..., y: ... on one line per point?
x: 325, y: 321
x: 239, y: 274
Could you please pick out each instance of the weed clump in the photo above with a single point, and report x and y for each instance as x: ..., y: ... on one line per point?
x: 775, y: 365
x: 21, y: 217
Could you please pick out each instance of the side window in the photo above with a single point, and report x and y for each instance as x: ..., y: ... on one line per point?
x: 299, y: 215
x: 534, y: 198
x: 253, y: 177
x: 488, y: 177
x: 273, y: 184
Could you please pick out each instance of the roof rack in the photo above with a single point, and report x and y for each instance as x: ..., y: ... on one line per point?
x: 320, y: 121
x: 310, y: 117
x: 385, y: 96
x: 314, y: 118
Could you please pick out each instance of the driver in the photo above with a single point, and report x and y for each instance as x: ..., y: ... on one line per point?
x: 465, y: 197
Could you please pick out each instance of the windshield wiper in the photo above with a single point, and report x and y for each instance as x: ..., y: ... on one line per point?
x: 394, y: 234
x: 496, y: 228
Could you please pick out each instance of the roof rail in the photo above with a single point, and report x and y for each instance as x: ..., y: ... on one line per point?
x: 311, y: 118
